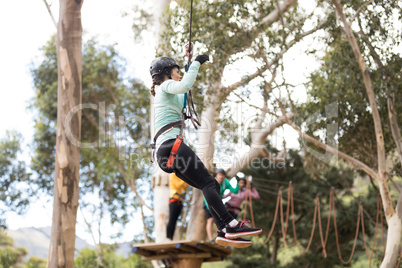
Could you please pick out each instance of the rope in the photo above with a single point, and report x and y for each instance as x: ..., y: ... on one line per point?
x: 188, y: 96
x: 294, y: 224
x: 278, y: 200
x: 336, y: 233
x: 189, y: 37
x: 245, y: 202
x: 251, y: 207
x: 248, y: 199
x: 324, y: 252
x: 331, y: 213
x: 284, y: 230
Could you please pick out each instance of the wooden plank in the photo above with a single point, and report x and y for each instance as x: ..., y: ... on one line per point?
x: 178, y: 256
x: 141, y: 251
x: 192, y: 256
x: 214, y: 252
x: 156, y: 257
x: 181, y: 249
x: 214, y: 259
x: 209, y: 247
x: 187, y: 248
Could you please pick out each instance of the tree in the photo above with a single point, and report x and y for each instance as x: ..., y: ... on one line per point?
x: 89, y: 258
x: 14, y: 192
x: 66, y: 187
x: 10, y: 256
x: 114, y: 157
x: 114, y: 117
x: 269, y: 178
x: 36, y: 262
x: 370, y: 159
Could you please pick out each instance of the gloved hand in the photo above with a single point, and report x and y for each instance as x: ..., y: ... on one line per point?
x: 202, y: 58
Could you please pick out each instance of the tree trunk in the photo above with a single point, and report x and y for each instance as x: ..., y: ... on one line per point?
x: 66, y: 193
x: 394, y: 218
x: 394, y: 124
x: 160, y: 179
x: 258, y: 149
x: 275, y: 248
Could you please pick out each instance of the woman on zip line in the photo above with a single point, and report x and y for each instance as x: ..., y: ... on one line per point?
x: 173, y: 155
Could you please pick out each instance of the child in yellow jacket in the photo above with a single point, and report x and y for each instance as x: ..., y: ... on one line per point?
x: 177, y: 190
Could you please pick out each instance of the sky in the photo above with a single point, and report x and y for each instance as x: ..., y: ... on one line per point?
x: 25, y: 27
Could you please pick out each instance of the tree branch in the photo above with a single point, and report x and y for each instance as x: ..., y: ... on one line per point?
x: 359, y: 10
x: 227, y: 90
x: 326, y: 147
x: 50, y: 13
x: 119, y: 165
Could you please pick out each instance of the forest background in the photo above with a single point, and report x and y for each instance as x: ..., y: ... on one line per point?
x: 322, y: 85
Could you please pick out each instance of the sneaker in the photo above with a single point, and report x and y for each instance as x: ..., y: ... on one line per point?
x: 241, y: 229
x: 236, y: 243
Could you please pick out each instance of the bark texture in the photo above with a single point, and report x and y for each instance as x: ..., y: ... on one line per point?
x: 393, y: 216
x: 66, y: 193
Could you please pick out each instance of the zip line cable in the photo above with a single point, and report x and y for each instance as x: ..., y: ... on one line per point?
x: 188, y: 97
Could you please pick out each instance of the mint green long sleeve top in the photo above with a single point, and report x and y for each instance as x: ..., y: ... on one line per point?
x: 169, y: 100
x: 225, y: 185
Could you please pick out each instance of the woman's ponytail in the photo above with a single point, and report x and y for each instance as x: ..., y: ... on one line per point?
x: 153, y: 89
x: 157, y: 80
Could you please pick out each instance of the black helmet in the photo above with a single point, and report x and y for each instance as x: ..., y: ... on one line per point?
x: 240, y: 178
x: 159, y: 64
x: 220, y: 170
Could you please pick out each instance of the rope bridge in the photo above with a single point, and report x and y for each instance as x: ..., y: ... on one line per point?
x: 317, y: 218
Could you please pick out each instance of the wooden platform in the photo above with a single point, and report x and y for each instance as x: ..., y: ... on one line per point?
x: 182, y: 249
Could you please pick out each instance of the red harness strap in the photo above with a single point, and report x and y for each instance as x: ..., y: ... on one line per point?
x: 173, y: 152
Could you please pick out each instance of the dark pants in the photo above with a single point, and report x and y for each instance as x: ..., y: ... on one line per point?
x: 175, y: 207
x: 234, y: 215
x: 189, y: 167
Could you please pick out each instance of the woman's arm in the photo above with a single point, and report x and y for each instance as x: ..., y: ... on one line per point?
x: 254, y: 193
x: 183, y: 86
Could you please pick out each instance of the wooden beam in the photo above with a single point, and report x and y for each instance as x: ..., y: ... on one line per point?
x: 214, y: 259
x: 178, y: 256
x: 187, y: 248
x: 221, y: 251
x: 156, y: 257
x: 141, y: 251
x: 192, y: 256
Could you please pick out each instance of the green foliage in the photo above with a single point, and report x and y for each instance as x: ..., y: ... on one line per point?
x: 10, y: 256
x: 268, y: 178
x: 339, y: 80
x: 229, y: 31
x: 36, y: 262
x: 114, y: 133
x: 107, y: 257
x: 14, y: 193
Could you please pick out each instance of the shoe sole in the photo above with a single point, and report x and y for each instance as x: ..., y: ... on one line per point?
x: 237, y: 235
x: 232, y: 243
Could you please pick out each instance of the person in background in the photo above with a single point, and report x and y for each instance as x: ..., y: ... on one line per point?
x: 177, y: 190
x: 236, y: 199
x: 224, y: 184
